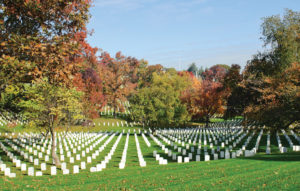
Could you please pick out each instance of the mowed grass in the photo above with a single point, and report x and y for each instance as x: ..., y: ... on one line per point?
x: 265, y: 172
x: 110, y: 125
x: 262, y: 172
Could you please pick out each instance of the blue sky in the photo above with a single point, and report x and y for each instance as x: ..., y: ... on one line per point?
x: 175, y: 33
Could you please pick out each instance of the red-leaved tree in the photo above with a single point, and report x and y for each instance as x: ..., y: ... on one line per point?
x: 206, y: 98
x: 119, y: 77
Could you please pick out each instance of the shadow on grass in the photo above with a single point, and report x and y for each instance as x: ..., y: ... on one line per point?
x: 291, y: 156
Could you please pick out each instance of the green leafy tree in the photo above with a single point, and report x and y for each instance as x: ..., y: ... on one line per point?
x: 158, y: 105
x: 193, y: 68
x: 145, y: 73
x: 282, y: 34
x: 49, y: 106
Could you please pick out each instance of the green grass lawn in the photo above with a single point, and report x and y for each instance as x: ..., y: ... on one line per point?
x: 262, y: 172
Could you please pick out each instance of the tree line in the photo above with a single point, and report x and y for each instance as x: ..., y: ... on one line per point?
x: 53, y: 76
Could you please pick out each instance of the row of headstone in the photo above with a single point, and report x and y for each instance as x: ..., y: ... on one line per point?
x: 107, y: 110
x: 294, y: 147
x: 35, y: 161
x: 10, y: 118
x: 210, y: 145
x: 107, y: 158
x: 287, y: 138
x: 281, y: 148
x: 140, y: 155
x: 295, y: 136
x: 12, y: 157
x: 183, y: 142
x: 225, y: 155
x: 124, y: 154
x: 146, y: 140
x: 62, y: 157
x: 268, y: 148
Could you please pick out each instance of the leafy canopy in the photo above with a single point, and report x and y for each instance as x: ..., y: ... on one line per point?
x: 159, y: 103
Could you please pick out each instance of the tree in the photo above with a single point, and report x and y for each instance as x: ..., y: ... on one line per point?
x: 145, y: 73
x: 193, y: 68
x: 201, y: 71
x: 215, y: 73
x: 89, y: 82
x: 235, y: 94
x: 208, y: 99
x: 38, y: 40
x: 282, y: 34
x: 40, y: 50
x: 119, y: 76
x: 279, y: 101
x: 270, y: 85
x: 158, y: 105
x: 88, y: 79
x: 49, y: 106
x: 189, y: 96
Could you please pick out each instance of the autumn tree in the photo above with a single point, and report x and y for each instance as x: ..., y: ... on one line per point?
x: 89, y: 82
x: 189, y: 96
x: 279, y: 101
x: 37, y: 40
x: 209, y: 97
x: 88, y: 79
x: 159, y: 105
x: 271, y: 78
x: 119, y: 76
x: 40, y: 48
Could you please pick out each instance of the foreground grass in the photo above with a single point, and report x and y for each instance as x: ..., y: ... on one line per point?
x: 267, y: 172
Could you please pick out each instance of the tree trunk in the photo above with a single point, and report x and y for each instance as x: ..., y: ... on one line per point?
x: 115, y: 116
x: 207, y: 121
x: 114, y: 106
x: 245, y: 120
x: 54, y: 156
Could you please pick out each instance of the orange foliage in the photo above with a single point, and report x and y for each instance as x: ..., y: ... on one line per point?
x: 205, y: 97
x: 119, y: 77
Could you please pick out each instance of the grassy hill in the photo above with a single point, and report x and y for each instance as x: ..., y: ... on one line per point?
x: 99, y: 126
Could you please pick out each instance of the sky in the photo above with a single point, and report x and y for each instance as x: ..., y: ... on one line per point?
x: 176, y: 33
